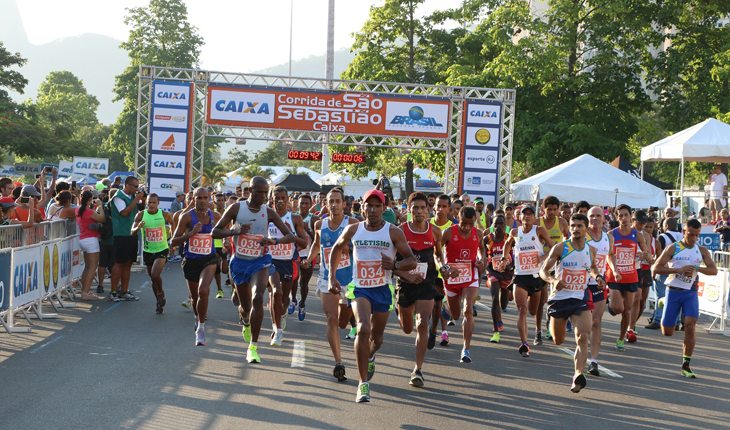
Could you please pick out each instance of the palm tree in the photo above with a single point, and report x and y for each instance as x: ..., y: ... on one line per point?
x: 213, y: 173
x: 252, y: 170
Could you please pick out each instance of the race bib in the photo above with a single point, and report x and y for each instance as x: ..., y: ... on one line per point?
x: 153, y: 235
x: 466, y: 274
x: 282, y: 250
x: 575, y: 279
x: 342, y: 264
x: 601, y: 263
x: 625, y: 259
x: 200, y: 244
x: 249, y: 245
x: 529, y: 260
x: 370, y: 273
x: 421, y: 269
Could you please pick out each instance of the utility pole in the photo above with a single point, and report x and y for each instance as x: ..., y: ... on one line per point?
x: 329, y: 75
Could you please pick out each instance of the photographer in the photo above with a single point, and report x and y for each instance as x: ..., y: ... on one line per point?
x: 25, y: 207
x: 124, y: 208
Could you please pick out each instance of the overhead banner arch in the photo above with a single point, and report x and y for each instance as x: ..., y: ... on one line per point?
x: 472, y: 126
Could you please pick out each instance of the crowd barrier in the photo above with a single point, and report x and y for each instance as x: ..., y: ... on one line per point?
x: 713, y: 294
x: 39, y: 265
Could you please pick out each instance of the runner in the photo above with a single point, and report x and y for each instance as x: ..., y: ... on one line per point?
x: 645, y: 279
x: 528, y: 243
x: 194, y: 232
x: 251, y: 263
x: 443, y: 222
x: 664, y: 240
x: 603, y: 245
x: 500, y: 272
x: 283, y: 258
x: 152, y: 221
x: 574, y: 263
x: 305, y: 274
x: 375, y: 243
x: 463, y: 242
x: 681, y: 261
x: 624, y: 281
x: 557, y: 228
x: 219, y: 206
x: 335, y: 306
x: 416, y: 289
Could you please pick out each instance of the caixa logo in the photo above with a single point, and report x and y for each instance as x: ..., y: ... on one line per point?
x: 90, y: 165
x: 170, y: 95
x: 415, y: 117
x: 479, y: 113
x: 242, y: 107
x: 166, y: 186
x: 168, y: 164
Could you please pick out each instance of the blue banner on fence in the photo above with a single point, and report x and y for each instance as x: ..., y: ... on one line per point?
x: 711, y: 241
x: 5, y: 279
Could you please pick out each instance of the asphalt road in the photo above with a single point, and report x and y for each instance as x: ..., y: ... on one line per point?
x: 108, y: 365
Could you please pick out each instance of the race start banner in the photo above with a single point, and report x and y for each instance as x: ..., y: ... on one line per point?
x: 341, y: 112
x: 170, y: 148
x: 480, y: 147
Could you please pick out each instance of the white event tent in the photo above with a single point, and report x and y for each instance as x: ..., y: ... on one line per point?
x: 590, y: 179
x: 357, y: 187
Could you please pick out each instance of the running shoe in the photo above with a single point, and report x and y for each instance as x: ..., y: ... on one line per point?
x: 474, y: 310
x: 278, y: 338
x: 465, y: 356
x: 220, y: 294
x: 431, y: 340
x: 444, y: 338
x: 631, y: 336
x: 499, y: 326
x: 451, y: 322
x: 538, y: 338
x: 351, y: 334
x: 246, y: 333
x: 568, y: 326
x: 302, y: 313
x: 363, y: 393
x: 496, y: 337
x: 200, y: 337
x: 186, y: 304
x: 99, y: 290
x: 113, y: 297
x: 593, y: 369
x: 548, y: 335
x: 416, y: 378
x: 579, y: 383
x: 292, y: 307
x: 160, y: 305
x: 687, y: 372
x: 283, y: 321
x: 129, y: 297
x: 252, y: 355
x: 371, y: 368
x: 339, y: 372
x: 653, y: 326
x: 620, y: 347
x: 524, y: 350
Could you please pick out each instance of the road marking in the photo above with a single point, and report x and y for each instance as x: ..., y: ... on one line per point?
x: 601, y: 368
x: 298, y: 355
x: 39, y: 347
x: 482, y: 306
x: 114, y: 306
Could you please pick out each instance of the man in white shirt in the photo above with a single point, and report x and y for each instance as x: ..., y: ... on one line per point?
x: 718, y: 191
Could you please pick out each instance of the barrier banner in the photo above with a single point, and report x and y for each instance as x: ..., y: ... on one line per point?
x: 65, y: 168
x: 711, y: 241
x: 710, y: 291
x: 338, y: 112
x: 480, y: 149
x: 26, y: 276
x: 7, y: 170
x: 77, y: 257
x: 57, y: 262
x: 91, y: 166
x: 5, y: 285
x: 27, y: 169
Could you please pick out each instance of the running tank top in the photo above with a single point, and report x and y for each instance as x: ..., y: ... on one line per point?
x: 303, y: 253
x: 248, y: 246
x: 574, y: 270
x: 154, y: 232
x: 327, y: 239
x: 528, y: 250
x: 422, y: 244
x: 683, y: 257
x: 366, y: 255
x: 448, y: 224
x: 625, y: 249
x: 652, y: 247
x: 495, y: 249
x: 554, y: 232
x: 200, y: 245
x: 461, y: 254
x: 602, y: 247
x: 282, y: 251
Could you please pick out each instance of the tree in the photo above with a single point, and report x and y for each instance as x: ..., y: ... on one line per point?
x: 252, y: 170
x: 160, y: 35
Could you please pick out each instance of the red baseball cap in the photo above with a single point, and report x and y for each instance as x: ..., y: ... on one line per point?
x: 7, y: 202
x: 374, y: 193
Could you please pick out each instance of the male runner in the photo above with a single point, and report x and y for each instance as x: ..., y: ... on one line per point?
x: 500, y: 272
x: 283, y: 256
x: 194, y: 231
x: 375, y: 243
x: 305, y: 274
x: 219, y: 206
x: 624, y: 281
x: 416, y: 289
x: 645, y: 278
x: 681, y: 261
x: 603, y: 244
x: 528, y: 242
x: 557, y: 228
x: 336, y: 309
x: 152, y: 221
x: 443, y: 222
x: 251, y: 263
x: 664, y: 240
x: 574, y: 263
x: 463, y: 242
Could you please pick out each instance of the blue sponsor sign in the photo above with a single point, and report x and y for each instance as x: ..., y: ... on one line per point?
x: 5, y: 285
x: 711, y: 241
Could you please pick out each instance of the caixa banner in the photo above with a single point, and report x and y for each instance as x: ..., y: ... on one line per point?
x: 337, y: 112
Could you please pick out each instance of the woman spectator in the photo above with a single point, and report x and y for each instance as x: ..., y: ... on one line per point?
x: 63, y: 208
x: 86, y: 217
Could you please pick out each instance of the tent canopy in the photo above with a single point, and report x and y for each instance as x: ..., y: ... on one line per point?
x: 708, y: 141
x: 298, y: 183
x: 590, y: 179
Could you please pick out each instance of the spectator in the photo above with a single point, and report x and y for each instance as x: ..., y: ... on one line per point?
x: 106, y: 241
x: 89, y: 221
x: 52, y: 206
x: 7, y: 204
x: 63, y: 209
x: 6, y: 187
x: 718, y: 191
x: 117, y: 184
x: 24, y: 207
x: 123, y: 210
x: 177, y: 204
x: 723, y: 227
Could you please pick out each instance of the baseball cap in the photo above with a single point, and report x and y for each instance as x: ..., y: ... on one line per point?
x: 179, y: 193
x: 374, y: 193
x: 478, y: 200
x: 527, y: 208
x: 29, y: 191
x: 7, y: 202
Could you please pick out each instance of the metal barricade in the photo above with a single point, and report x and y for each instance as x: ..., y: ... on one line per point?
x: 722, y: 259
x: 14, y: 236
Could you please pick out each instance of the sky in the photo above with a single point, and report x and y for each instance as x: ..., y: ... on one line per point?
x: 240, y: 35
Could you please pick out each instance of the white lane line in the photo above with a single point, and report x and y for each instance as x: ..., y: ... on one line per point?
x: 482, y: 306
x: 601, y: 368
x: 39, y: 347
x: 298, y: 355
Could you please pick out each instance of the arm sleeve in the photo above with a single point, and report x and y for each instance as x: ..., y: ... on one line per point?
x: 119, y: 203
